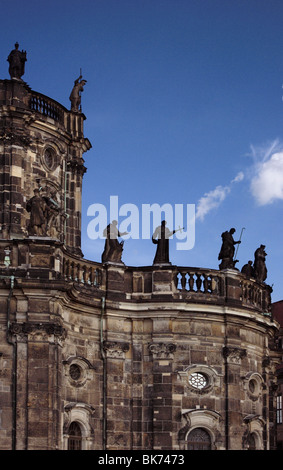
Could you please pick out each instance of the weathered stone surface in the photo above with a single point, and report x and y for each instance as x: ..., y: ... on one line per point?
x: 137, y: 357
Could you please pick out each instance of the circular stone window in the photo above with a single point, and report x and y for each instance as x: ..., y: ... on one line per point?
x: 78, y: 370
x: 75, y: 371
x: 198, y: 381
x: 49, y: 158
x: 254, y: 387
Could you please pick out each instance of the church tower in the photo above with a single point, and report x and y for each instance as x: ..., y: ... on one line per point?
x: 41, y: 154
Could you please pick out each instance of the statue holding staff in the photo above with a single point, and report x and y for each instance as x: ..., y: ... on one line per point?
x: 227, y: 250
x: 75, y: 96
x: 161, y: 237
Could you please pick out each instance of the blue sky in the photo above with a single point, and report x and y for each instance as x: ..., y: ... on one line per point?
x: 182, y: 97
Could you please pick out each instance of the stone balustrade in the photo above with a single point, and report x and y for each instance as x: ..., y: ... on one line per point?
x: 257, y: 295
x: 199, y: 281
x: 82, y: 271
x: 38, y: 258
x: 229, y: 284
x: 46, y: 106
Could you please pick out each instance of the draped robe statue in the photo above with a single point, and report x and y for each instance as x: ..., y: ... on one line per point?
x: 162, y: 234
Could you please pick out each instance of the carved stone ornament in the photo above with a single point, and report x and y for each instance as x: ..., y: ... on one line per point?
x: 37, y: 331
x: 46, y: 212
x: 76, y: 166
x: 15, y: 139
x: 115, y: 349
x: 234, y: 355
x: 162, y: 350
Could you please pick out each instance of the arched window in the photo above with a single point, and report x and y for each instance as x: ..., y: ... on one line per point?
x: 75, y: 437
x: 199, y: 439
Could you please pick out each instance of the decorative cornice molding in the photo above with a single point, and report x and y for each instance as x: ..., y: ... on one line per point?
x: 76, y: 166
x: 37, y: 331
x: 234, y: 355
x: 162, y: 350
x: 15, y: 139
x: 115, y: 349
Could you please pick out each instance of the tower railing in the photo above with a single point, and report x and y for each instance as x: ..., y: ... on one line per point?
x: 195, y: 280
x: 46, y: 106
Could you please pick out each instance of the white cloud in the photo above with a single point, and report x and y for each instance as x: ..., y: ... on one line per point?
x: 214, y: 198
x: 239, y: 177
x: 267, y: 183
x: 211, y: 200
x: 265, y: 176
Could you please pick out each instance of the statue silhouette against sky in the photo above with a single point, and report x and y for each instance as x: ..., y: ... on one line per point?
x: 161, y: 239
x: 227, y: 250
x: 113, y: 248
x: 75, y: 96
x: 17, y: 61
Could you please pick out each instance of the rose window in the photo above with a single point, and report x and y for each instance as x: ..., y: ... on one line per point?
x: 198, y: 381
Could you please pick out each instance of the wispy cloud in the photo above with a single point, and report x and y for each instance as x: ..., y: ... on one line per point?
x: 265, y: 177
x: 215, y: 197
x: 239, y: 177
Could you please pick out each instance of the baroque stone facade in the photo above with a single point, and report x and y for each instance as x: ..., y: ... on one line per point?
x: 105, y: 356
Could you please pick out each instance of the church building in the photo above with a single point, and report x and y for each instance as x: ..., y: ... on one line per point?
x: 103, y: 356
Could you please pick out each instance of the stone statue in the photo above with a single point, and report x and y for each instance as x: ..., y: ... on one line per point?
x: 17, y: 61
x: 38, y: 214
x: 113, y: 248
x: 162, y: 233
x: 75, y: 96
x: 248, y: 269
x: 54, y: 215
x: 259, y: 264
x: 228, y: 250
x: 46, y: 213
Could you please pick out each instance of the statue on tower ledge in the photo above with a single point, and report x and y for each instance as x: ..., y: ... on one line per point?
x: 259, y: 264
x: 160, y: 238
x: 113, y: 248
x: 17, y: 61
x: 227, y: 251
x: 75, y: 96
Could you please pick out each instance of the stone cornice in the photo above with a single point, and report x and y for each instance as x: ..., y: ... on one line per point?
x: 31, y: 331
x: 162, y: 350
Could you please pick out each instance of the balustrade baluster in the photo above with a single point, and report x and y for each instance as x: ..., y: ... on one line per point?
x: 89, y: 276
x: 82, y: 274
x: 77, y: 275
x: 191, y: 281
x: 96, y: 280
x: 198, y: 282
x: 176, y: 280
x: 183, y: 281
